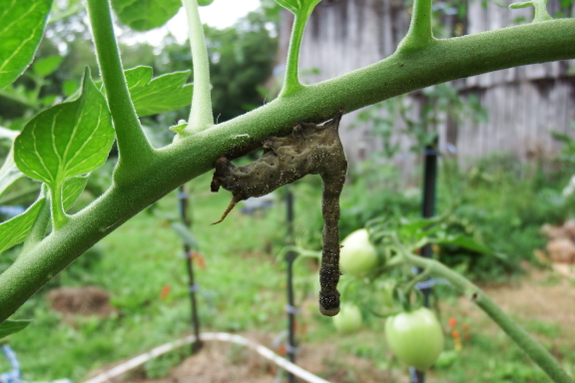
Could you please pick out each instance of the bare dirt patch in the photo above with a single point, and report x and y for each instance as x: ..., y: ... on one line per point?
x: 88, y: 300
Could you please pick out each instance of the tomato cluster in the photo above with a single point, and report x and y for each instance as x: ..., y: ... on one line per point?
x: 414, y: 336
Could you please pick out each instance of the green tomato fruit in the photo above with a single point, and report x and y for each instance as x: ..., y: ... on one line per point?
x: 348, y: 320
x: 415, y: 337
x: 357, y: 256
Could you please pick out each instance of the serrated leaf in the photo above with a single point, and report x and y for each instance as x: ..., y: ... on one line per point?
x: 21, y: 29
x: 12, y: 326
x: 158, y: 95
x: 15, y: 230
x: 67, y: 140
x: 143, y: 15
x: 48, y: 65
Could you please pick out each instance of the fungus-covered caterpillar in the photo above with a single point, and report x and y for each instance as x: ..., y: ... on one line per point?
x: 309, y: 149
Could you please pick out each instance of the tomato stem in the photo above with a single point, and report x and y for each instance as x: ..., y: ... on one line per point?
x: 530, y: 346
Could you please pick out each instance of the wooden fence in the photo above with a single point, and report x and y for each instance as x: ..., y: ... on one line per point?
x: 524, y: 104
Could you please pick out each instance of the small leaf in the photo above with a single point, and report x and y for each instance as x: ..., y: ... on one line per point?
x: 73, y: 188
x: 158, y: 95
x: 521, y: 5
x: 143, y: 15
x: 21, y: 29
x: 67, y: 140
x: 179, y: 128
x: 12, y: 326
x: 470, y: 244
x: 48, y: 65
x: 15, y: 230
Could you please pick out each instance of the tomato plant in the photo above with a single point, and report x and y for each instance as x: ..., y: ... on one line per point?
x: 357, y: 256
x: 348, y: 320
x: 415, y: 337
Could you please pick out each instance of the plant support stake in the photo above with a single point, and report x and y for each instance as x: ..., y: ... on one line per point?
x: 183, y: 205
x: 290, y: 257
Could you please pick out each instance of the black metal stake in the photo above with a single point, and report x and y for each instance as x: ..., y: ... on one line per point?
x: 430, y: 155
x: 290, y: 257
x: 195, y: 322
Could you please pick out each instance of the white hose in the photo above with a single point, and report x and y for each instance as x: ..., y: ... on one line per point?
x: 220, y: 336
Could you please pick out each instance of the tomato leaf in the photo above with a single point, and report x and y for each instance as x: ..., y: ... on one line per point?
x: 469, y: 244
x: 11, y: 326
x: 143, y: 15
x: 15, y: 230
x: 161, y: 94
x: 21, y: 29
x: 48, y: 65
x: 67, y: 140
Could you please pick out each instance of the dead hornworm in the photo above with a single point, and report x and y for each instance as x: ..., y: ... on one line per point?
x: 309, y: 149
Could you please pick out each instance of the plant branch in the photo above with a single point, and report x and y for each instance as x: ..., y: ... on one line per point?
x: 41, y: 223
x: 133, y: 145
x: 201, y: 114
x: 191, y: 156
x: 419, y: 34
x: 291, y: 80
x: 531, y: 347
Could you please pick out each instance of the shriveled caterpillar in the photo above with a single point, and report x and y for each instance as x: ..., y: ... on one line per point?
x: 309, y: 149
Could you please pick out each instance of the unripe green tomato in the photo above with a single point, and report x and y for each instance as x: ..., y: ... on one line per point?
x: 348, y: 320
x: 357, y: 256
x: 203, y: 3
x: 415, y: 337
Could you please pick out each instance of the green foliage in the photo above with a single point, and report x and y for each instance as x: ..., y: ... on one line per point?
x: 16, y: 229
x: 158, y: 95
x: 65, y: 141
x: 12, y: 326
x: 144, y: 15
x: 21, y: 29
x: 241, y: 58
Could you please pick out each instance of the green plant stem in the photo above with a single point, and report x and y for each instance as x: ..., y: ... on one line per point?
x: 291, y: 80
x: 38, y: 231
x: 201, y: 114
x: 59, y: 216
x: 133, y: 145
x: 191, y: 156
x: 531, y: 347
x: 419, y: 34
